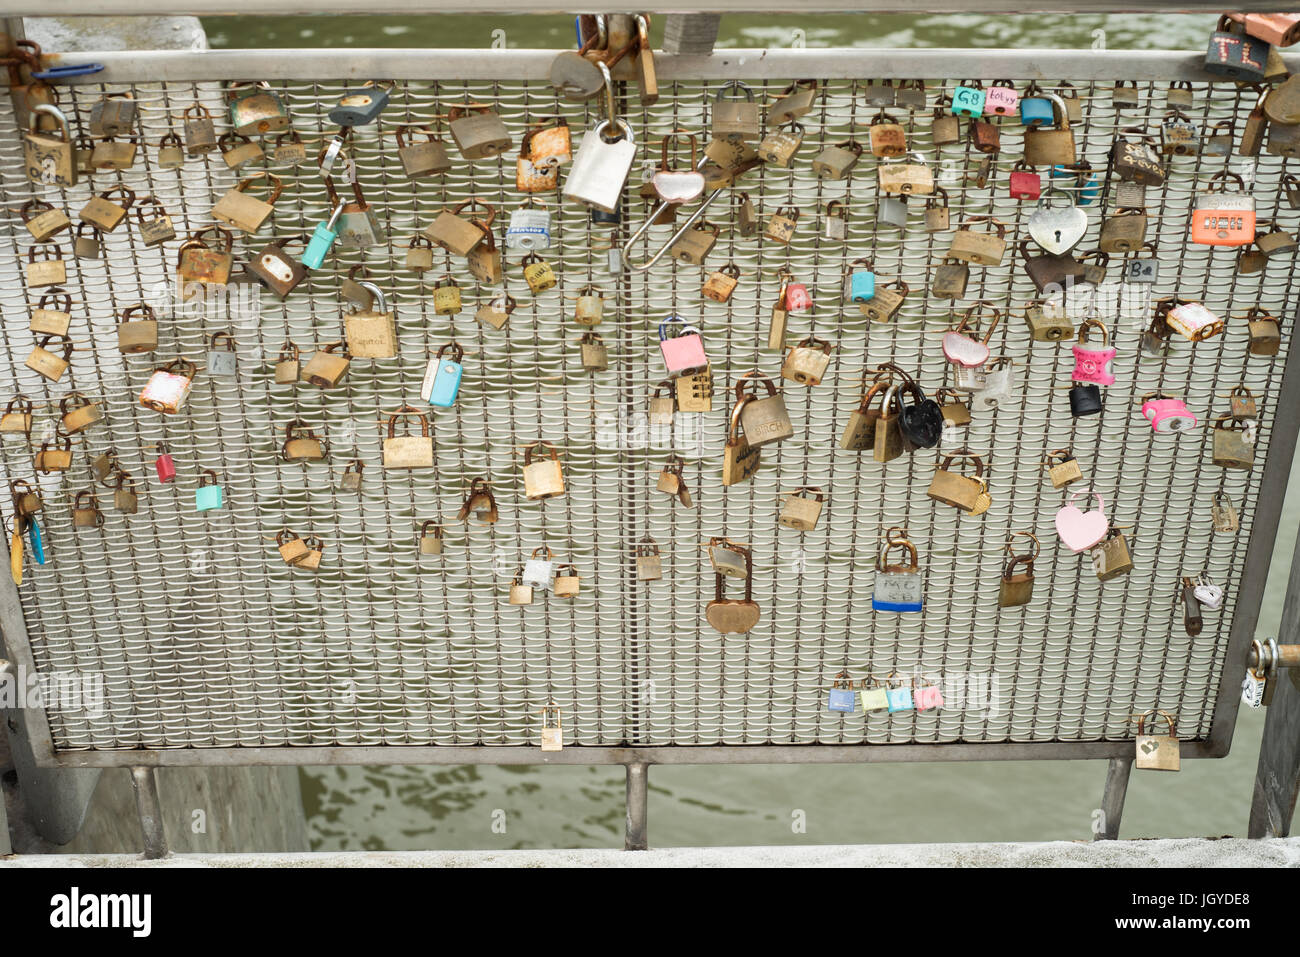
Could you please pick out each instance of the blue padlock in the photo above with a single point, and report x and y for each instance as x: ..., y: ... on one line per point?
x: 1036, y: 111
x: 1085, y: 193
x: 38, y: 544
x: 843, y: 700
x: 322, y: 240
x: 208, y: 495
x: 862, y: 282
x: 900, y: 699
x: 968, y: 100
x: 443, y: 377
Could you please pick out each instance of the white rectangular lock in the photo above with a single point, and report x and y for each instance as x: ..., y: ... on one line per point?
x: 1252, y: 690
x: 538, y: 572
x: 529, y: 229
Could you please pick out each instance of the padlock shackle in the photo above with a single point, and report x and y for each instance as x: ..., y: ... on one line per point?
x: 734, y: 424
x: 1029, y: 559
x: 406, y: 411
x: 375, y: 291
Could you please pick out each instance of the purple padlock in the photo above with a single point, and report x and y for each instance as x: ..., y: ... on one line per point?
x: 682, y: 348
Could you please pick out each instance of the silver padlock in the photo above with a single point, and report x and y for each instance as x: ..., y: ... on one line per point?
x: 539, y: 572
x: 529, y: 229
x: 998, y: 383
x: 892, y: 211
x: 601, y: 167
x: 221, y: 362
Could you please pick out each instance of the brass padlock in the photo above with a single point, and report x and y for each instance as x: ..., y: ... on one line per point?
x: 289, y: 149
x: 239, y: 150
x: 1234, y: 446
x: 248, y: 213
x: 695, y: 392
x: 1048, y: 321
x: 595, y: 358
x: 446, y: 296
x: 746, y: 217
x: 87, y: 246
x: 419, y: 254
x: 46, y: 363
x: 860, y: 430
x: 670, y: 476
x: 85, y: 510
x: 325, y: 369
x: 1157, y: 752
x: 292, y: 548
x: 102, y: 213
x: 113, y: 115
x: 496, y: 313
x: 478, y: 130
x: 538, y: 273
x: 1063, y: 468
x: 125, y: 497
x: 736, y: 119
x: 43, y: 220
x: 796, y: 100
x: 200, y: 131
x: 18, y: 416
x: 937, y: 218
x: 1265, y: 333
x: 484, y: 260
x: 171, y: 155
x: 196, y: 261
x: 350, y: 480
x: 1052, y: 146
x: 1178, y: 135
x: 315, y: 552
x: 77, y: 412
x: 955, y: 488
x: 722, y: 283
x: 649, y: 563
x: 765, y: 419
x: 54, y: 458
x: 459, y: 235
x: 780, y: 145
x: 835, y: 162
x: 662, y: 407
x: 1111, y: 558
x: 888, y: 138
x: 888, y: 299
x: 103, y: 464
x: 949, y: 282
x: 256, y: 109
x: 53, y: 314
x: 908, y: 177
x: 542, y: 479
x: 945, y: 129
x: 301, y: 444
x: 953, y: 407
x: 1223, y: 514
x: 696, y: 243
x: 1275, y: 241
x: 1016, y: 588
x: 408, y: 451
x: 889, y: 441
x: 114, y: 154
x: 589, y: 309
x: 780, y: 228
x: 27, y: 501
x: 50, y: 270
x: 807, y: 361
x: 1242, y: 403
x: 566, y: 583
x: 372, y: 333
x: 740, y: 460
x: 137, y: 330
x: 430, y: 538
x: 802, y: 509
x: 981, y: 248
x: 50, y: 158
x: 481, y: 501
x: 1124, y: 231
x: 157, y: 229
x: 288, y: 366
x: 421, y: 158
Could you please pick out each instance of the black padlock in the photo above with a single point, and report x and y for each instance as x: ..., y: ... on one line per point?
x: 1236, y: 54
x: 921, y: 422
x: 1085, y: 399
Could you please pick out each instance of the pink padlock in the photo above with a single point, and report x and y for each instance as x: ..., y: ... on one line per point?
x: 1167, y: 414
x: 1081, y: 530
x: 797, y: 298
x: 683, y: 351
x: 1024, y: 183
x: 1001, y: 99
x: 927, y: 697
x: 1093, y: 365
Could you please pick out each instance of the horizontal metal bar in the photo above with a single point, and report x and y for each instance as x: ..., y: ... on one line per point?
x: 737, y: 754
x: 152, y: 66
x: 60, y: 8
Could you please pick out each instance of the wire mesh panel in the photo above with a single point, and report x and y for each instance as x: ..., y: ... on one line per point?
x: 208, y: 640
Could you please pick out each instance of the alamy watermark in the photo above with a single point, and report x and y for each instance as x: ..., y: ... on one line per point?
x: 70, y: 692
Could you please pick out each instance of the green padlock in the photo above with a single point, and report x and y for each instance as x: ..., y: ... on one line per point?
x: 208, y: 495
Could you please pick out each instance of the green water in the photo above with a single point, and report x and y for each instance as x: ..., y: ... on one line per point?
x: 403, y: 808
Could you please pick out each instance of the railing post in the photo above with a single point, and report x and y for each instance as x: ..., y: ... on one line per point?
x: 638, y: 779
x: 145, y: 783
x: 1112, y: 798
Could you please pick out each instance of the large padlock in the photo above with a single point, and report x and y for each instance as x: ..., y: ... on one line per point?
x: 256, y: 109
x: 1234, y: 446
x: 243, y: 211
x: 49, y: 157
x: 1051, y: 146
x: 740, y: 460
x: 1235, y: 54
x: 908, y: 177
x: 459, y: 235
x: 53, y: 314
x: 696, y: 243
x: 981, y: 248
x: 807, y: 361
x: 276, y: 269
x: 420, y: 158
x: 735, y: 118
x: 1157, y: 752
x: 408, y: 451
x: 169, y: 386
x: 957, y: 489
x: 479, y: 131
x: 47, y: 363
x: 103, y: 213
x: 371, y: 333
x: 730, y: 616
x: 137, y: 330
x: 326, y: 368
x: 764, y: 418
x: 601, y: 167
x: 1057, y: 229
x: 898, y: 588
x: 542, y: 478
x: 682, y: 348
x: 1221, y: 218
x: 221, y: 362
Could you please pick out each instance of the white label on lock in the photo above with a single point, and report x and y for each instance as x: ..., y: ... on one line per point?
x: 538, y: 572
x: 529, y: 229
x: 276, y: 267
x: 1252, y: 690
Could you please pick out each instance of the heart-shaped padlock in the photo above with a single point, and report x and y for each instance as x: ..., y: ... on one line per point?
x: 1057, y: 229
x: 1081, y: 530
x: 1208, y: 594
x: 964, y: 350
x: 921, y: 422
x: 677, y: 186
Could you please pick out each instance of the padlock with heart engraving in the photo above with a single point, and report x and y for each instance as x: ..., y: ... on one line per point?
x: 1058, y: 229
x: 682, y: 347
x: 781, y: 227
x: 729, y: 616
x: 1156, y: 752
x: 1080, y: 530
x: 898, y: 588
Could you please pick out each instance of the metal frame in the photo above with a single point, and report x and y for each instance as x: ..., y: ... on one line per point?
x: 59, y: 8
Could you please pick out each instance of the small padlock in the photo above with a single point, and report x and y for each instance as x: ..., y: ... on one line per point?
x: 1048, y: 321
x: 496, y: 313
x: 43, y: 220
x: 1223, y: 514
x: 326, y: 369
x: 898, y: 588
x: 836, y: 227
x: 722, y: 283
x: 292, y: 548
x: 164, y: 465
x: 54, y: 458
x: 276, y: 269
x: 456, y: 234
x: 157, y: 229
x: 696, y: 243
x: 538, y: 273
x: 221, y: 361
x: 209, y: 495
x: 595, y: 357
x: 85, y: 510
x: 888, y: 138
x: 780, y: 228
x: 289, y: 149
x: 446, y: 296
x: 88, y: 242
x: 544, y: 478
x: 1063, y: 468
x: 243, y: 211
x: 765, y: 418
x: 802, y: 509
x: 681, y: 347
x: 649, y: 564
x: 529, y: 229
x: 478, y: 130
x: 1157, y: 752
x: 937, y: 217
x: 807, y: 361
x: 1265, y: 333
x: 137, y: 330
x: 421, y: 158
x: 1016, y: 588
x: 53, y: 314
x: 835, y: 162
x: 239, y: 150
x: 419, y: 254
x: 200, y: 131
x: 77, y: 411
x: 968, y: 99
x: 408, y: 451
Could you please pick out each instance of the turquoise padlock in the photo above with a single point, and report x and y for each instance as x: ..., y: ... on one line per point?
x: 968, y: 100
x: 843, y: 700
x: 208, y: 495
x: 38, y: 545
x: 444, y: 385
x: 862, y: 282
x: 900, y: 699
x: 1036, y: 111
x: 1086, y: 192
x: 322, y: 240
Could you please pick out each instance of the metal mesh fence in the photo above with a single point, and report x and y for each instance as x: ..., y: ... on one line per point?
x: 207, y: 639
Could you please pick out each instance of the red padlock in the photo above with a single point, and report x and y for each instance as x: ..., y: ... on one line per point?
x: 1024, y: 183
x: 797, y: 298
x: 165, y: 465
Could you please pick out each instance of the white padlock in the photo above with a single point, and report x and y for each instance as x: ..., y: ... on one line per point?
x: 1208, y: 594
x: 529, y: 229
x: 539, y: 572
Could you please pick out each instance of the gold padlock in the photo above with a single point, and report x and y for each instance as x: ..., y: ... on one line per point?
x: 288, y: 367
x: 542, y: 479
x: 860, y: 430
x: 1110, y: 557
x: 42, y: 219
x: 200, y: 131
x: 780, y: 228
x: 325, y: 369
x: 954, y: 409
x: 937, y: 215
x: 1048, y: 321
x: 1157, y: 752
x: 137, y: 330
x: 430, y: 541
x: 1223, y: 514
x: 238, y: 150
x: 27, y: 501
x: 954, y: 488
x: 78, y: 413
x: 408, y: 451
x: 802, y: 509
x: 807, y: 361
x: 765, y: 419
x: 54, y: 458
x: 567, y: 582
x: 1063, y: 468
x: 446, y: 296
x: 740, y: 460
x: 520, y: 594
x: 1016, y: 588
x: 350, y: 480
x: 125, y: 497
x: 589, y: 310
x: 102, y: 213
x: 50, y: 158
x: 53, y: 313
x: 649, y: 563
x: 722, y: 283
x: 980, y: 248
x: 496, y: 313
x: 419, y: 254
x: 478, y: 130
x: 110, y: 153
x: 595, y: 357
x: 1243, y: 403
x: 1232, y: 448
x: 780, y: 145
x: 696, y: 243
x: 372, y: 333
x: 538, y: 273
x: 198, y: 262
x: 1265, y: 333
x: 45, y: 362
x: 170, y: 153
x: 835, y: 162
x: 888, y: 299
x: 695, y: 392
x: 18, y: 415
x: 85, y: 510
x: 292, y: 548
x: 1124, y: 231
x: 484, y: 260
x: 248, y: 213
x: 419, y: 159
x: 457, y: 234
x: 301, y: 444
x: 157, y: 229
x: 888, y: 138
x: 949, y: 281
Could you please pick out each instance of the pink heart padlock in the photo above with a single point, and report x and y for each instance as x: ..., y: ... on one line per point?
x: 964, y: 350
x: 1081, y: 530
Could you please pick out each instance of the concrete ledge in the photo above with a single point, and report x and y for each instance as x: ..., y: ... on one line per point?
x: 1187, y: 852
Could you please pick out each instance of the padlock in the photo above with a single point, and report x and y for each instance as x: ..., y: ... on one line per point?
x: 984, y: 136
x: 1234, y: 446
x: 730, y: 616
x: 137, y: 330
x: 836, y: 227
x: 1057, y: 229
x: 949, y: 280
x: 1111, y: 558
x: 968, y: 99
x: 421, y: 158
x: 1024, y: 183
x: 103, y: 213
x: 1221, y: 218
x: 529, y: 229
x: 53, y: 313
x: 326, y: 369
x: 1054, y: 145
x: 289, y: 149
x: 670, y: 476
x: 892, y: 211
x: 1124, y: 231
x: 164, y: 465
x: 481, y: 501
x: 315, y: 552
x: 85, y: 510
x: 125, y: 497
x: 546, y: 143
x: 1016, y: 588
x: 276, y: 269
x: 157, y: 228
x: 860, y: 286
x: 1080, y: 530
x: 484, y: 260
x: 49, y: 157
x: 1280, y: 29
x: 1166, y: 413
x: 87, y: 246
x: 292, y: 548
x: 674, y: 186
x: 408, y: 451
x: 221, y: 361
x: 834, y: 162
x: 898, y: 588
x: 695, y: 392
x: 43, y: 220
x: 898, y: 699
x: 1207, y: 593
x: 937, y: 216
x: 244, y: 212
x: 78, y: 413
x: 802, y: 509
x: 882, y: 94
x: 780, y: 228
x: 1221, y: 138
x: 1001, y: 99
x: 1093, y: 365
x: 27, y: 501
x: 722, y: 283
x: 542, y: 479
x: 796, y: 100
x: 910, y: 95
x: 1193, y: 621
x: 1134, y: 160
x: 1191, y: 319
x: 200, y: 131
x: 456, y: 234
x: 209, y: 494
x: 239, y: 150
x: 256, y: 109
x: 1291, y: 188
x: 860, y: 430
x: 994, y: 381
x: 84, y: 151
x: 746, y: 217
x: 734, y: 118
x: 764, y: 419
x: 54, y: 458
x: 1274, y: 242
x: 496, y: 313
x: 957, y: 489
x: 196, y: 261
x: 797, y: 299
x: 595, y: 357
x: 46, y: 363
x: 371, y: 333
x: 169, y: 386
x: 910, y: 177
x: 362, y: 107
x: 567, y: 582
x: 662, y: 407
x: 1051, y: 274
x: 952, y: 407
x: 446, y: 296
x: 1095, y: 265
x: 888, y: 138
x: 682, y: 348
x: 1223, y: 514
x: 552, y: 731
x: 538, y: 273
x: 1142, y: 270
x: 842, y: 698
x: 981, y: 248
x: 1157, y: 752
x: 113, y: 115
x: 1265, y: 333
x: 1085, y: 399
x: 478, y: 130
x: 1235, y: 54
x: 601, y: 167
x: 1063, y: 468
x: 886, y: 302
x: 539, y: 573
x: 103, y: 464
x: 114, y: 154
x: 17, y: 416
x: 1048, y: 321
x: 535, y: 175
x: 419, y: 254
x: 807, y: 361
x: 350, y: 480
x: 322, y: 239
x: 1037, y: 110
x: 358, y: 226
x: 1178, y: 135
x: 740, y: 460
